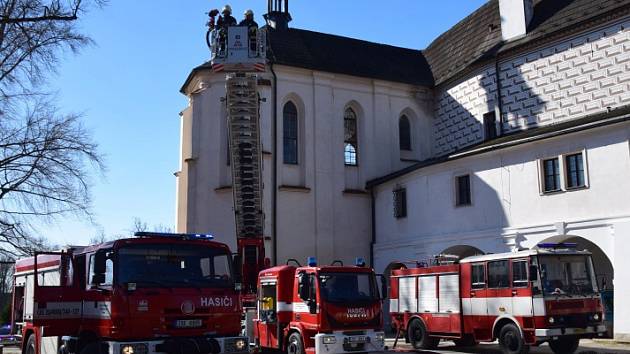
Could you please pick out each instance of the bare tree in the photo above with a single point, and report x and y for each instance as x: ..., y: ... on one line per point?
x: 45, y: 156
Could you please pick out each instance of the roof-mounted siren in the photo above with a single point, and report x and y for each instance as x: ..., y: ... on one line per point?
x: 557, y: 245
x: 311, y: 262
x: 239, y: 49
x: 278, y: 16
x: 359, y: 262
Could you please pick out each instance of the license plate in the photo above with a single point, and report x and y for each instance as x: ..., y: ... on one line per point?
x: 360, y: 339
x: 188, y: 323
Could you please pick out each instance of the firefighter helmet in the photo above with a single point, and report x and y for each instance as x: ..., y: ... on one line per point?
x: 227, y: 8
x: 249, y: 12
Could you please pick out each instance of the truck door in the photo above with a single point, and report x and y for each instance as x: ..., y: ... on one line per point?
x: 268, y: 315
x: 476, y: 306
x: 499, y: 289
x: 522, y: 305
x: 306, y: 310
x: 57, y: 299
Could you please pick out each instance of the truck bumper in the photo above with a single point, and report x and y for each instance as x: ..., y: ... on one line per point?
x: 174, y: 345
x: 337, y: 342
x: 580, y: 332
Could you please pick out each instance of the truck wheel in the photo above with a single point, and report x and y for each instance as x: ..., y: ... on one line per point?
x: 30, y: 345
x: 295, y: 346
x: 466, y: 341
x: 564, y: 345
x: 511, y: 340
x: 419, y: 336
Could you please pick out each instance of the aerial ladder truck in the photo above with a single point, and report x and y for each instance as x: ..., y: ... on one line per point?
x: 240, y: 52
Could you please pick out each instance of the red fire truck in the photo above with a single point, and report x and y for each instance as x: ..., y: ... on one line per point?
x: 319, y: 309
x: 548, y: 294
x: 157, y: 293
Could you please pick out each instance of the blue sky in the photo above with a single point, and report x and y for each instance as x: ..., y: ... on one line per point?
x: 127, y: 86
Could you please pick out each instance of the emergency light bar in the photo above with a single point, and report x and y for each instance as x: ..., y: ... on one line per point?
x: 311, y: 261
x: 206, y: 237
x: 554, y: 245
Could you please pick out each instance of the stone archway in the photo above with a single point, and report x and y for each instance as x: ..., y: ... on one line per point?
x: 604, y: 272
x: 463, y: 251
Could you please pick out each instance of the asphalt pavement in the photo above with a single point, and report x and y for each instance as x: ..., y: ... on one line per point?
x: 586, y: 347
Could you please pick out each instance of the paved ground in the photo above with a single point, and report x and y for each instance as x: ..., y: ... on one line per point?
x: 586, y: 347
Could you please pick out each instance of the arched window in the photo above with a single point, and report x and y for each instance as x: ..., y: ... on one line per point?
x: 404, y: 133
x: 290, y: 133
x: 350, y: 148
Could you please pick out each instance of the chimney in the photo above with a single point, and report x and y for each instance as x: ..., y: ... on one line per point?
x: 278, y: 16
x: 515, y: 17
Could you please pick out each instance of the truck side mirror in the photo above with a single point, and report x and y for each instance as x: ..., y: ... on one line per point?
x: 312, y: 306
x: 100, y: 258
x: 237, y: 263
x: 533, y: 273
x: 383, y: 287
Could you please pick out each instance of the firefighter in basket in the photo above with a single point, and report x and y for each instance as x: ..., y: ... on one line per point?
x: 221, y: 25
x: 252, y: 26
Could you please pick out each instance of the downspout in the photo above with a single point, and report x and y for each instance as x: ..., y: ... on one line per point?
x: 274, y: 159
x: 373, y: 206
x: 499, y: 100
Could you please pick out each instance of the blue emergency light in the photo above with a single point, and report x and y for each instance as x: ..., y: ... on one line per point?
x: 359, y: 262
x: 557, y: 245
x: 311, y: 261
x: 206, y: 237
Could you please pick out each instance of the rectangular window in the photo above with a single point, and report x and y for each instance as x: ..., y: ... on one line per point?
x: 478, y: 276
x: 463, y: 190
x: 551, y: 175
x: 498, y: 274
x: 400, y: 203
x: 490, y: 125
x: 519, y: 274
x: 574, y: 165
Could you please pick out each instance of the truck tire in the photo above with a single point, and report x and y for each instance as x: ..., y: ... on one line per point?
x: 419, y: 336
x: 295, y: 344
x: 564, y: 345
x: 466, y: 341
x: 30, y: 345
x: 511, y: 341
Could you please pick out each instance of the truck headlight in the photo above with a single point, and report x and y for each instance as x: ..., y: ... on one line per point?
x: 380, y: 336
x: 240, y: 344
x: 596, y: 317
x: 136, y: 348
x: 329, y: 339
x: 551, y: 320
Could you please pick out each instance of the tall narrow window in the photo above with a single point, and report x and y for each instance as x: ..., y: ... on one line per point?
x: 463, y: 191
x: 490, y: 125
x: 400, y: 203
x: 574, y: 165
x: 350, y: 137
x: 551, y: 175
x: 404, y: 133
x: 290, y: 133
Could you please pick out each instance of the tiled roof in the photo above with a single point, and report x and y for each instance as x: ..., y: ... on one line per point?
x: 478, y: 36
x: 343, y: 55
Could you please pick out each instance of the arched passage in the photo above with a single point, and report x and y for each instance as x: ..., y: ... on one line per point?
x: 602, y: 264
x: 463, y: 251
x: 604, y: 272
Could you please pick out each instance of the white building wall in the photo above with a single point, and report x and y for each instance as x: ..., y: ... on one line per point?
x: 320, y: 199
x: 568, y: 79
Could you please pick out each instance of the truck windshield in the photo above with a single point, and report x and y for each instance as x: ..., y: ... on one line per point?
x: 568, y: 275
x: 174, y: 266
x: 348, y: 287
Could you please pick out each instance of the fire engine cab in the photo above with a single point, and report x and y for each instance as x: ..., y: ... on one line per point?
x: 319, y: 309
x: 548, y: 294
x: 156, y: 293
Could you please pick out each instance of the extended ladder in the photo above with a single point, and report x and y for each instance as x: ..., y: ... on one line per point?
x: 246, y: 161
